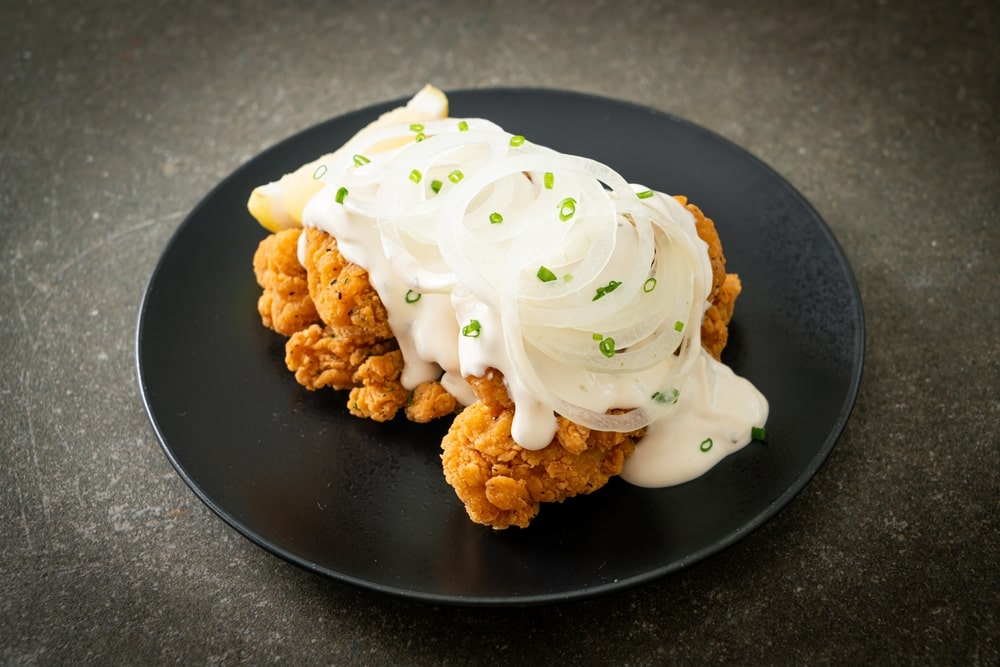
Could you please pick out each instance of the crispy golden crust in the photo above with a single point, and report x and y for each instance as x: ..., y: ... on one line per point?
x: 340, y: 289
x: 324, y: 356
x: 503, y: 484
x: 725, y: 286
x: 284, y: 305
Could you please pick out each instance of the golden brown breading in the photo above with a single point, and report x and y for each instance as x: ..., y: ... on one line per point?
x: 340, y: 289
x: 715, y: 323
x: 331, y: 356
x: 378, y: 393
x: 429, y: 401
x: 285, y: 304
x: 725, y: 286
x: 501, y: 483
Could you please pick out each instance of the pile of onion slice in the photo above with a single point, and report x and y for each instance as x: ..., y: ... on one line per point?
x: 591, y: 282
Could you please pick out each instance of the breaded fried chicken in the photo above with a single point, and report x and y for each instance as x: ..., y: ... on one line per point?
x: 503, y: 484
x: 285, y: 304
x: 338, y: 329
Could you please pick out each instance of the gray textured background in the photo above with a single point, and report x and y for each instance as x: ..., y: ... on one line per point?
x: 116, y: 119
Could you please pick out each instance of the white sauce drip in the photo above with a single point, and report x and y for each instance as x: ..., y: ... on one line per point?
x: 417, y: 217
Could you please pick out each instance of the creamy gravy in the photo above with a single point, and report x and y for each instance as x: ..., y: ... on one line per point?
x: 453, y: 330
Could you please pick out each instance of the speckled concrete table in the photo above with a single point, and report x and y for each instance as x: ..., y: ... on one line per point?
x: 117, y: 118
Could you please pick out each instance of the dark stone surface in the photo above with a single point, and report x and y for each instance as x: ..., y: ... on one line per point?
x: 116, y: 119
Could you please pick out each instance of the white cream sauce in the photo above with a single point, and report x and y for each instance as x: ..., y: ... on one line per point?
x: 458, y: 309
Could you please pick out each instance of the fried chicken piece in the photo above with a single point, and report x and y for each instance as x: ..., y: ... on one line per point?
x: 501, y: 483
x: 324, y: 356
x: 725, y: 286
x: 341, y: 291
x: 429, y: 401
x: 285, y: 305
x: 715, y: 323
x: 378, y: 393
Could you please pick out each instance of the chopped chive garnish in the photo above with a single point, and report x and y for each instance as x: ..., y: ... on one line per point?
x: 412, y: 297
x: 341, y: 193
x: 319, y: 172
x: 610, y: 287
x: 670, y: 396
x: 360, y: 159
x: 495, y: 218
x: 436, y: 186
x: 463, y: 126
x: 607, y: 347
x: 645, y: 194
x: 705, y: 445
x: 567, y: 208
x: 545, y: 274
x: 649, y: 285
x: 678, y: 326
x: 415, y: 175
x: 549, y: 180
x: 420, y: 137
x: 758, y: 433
x: 516, y: 140
x: 416, y: 127
x: 472, y: 329
x: 456, y: 176
x: 597, y: 336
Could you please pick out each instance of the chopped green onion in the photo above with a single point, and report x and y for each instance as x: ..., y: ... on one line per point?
x: 649, y: 285
x: 319, y: 172
x: 670, y: 397
x: 678, y: 326
x: 597, y: 336
x: 567, y: 209
x: 607, y: 347
x: 516, y: 140
x: 416, y: 127
x: 341, y: 193
x: 463, y: 126
x: 705, y: 445
x: 758, y: 433
x: 607, y: 289
x: 472, y: 329
x: 567, y: 277
x: 645, y: 194
x: 545, y: 274
x: 456, y: 176
x: 495, y: 218
x: 415, y: 175
x: 549, y: 180
x: 412, y: 297
x: 420, y: 137
x: 436, y: 186
x: 360, y: 160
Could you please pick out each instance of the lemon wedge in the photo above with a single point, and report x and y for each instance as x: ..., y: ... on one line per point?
x: 278, y: 205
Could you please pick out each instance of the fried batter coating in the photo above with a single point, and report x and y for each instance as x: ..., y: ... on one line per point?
x: 715, y: 323
x: 429, y: 401
x: 285, y: 305
x: 501, y: 483
x: 725, y: 286
x: 324, y: 356
x: 340, y: 289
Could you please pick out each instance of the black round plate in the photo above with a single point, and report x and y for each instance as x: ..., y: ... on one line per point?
x: 367, y: 503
